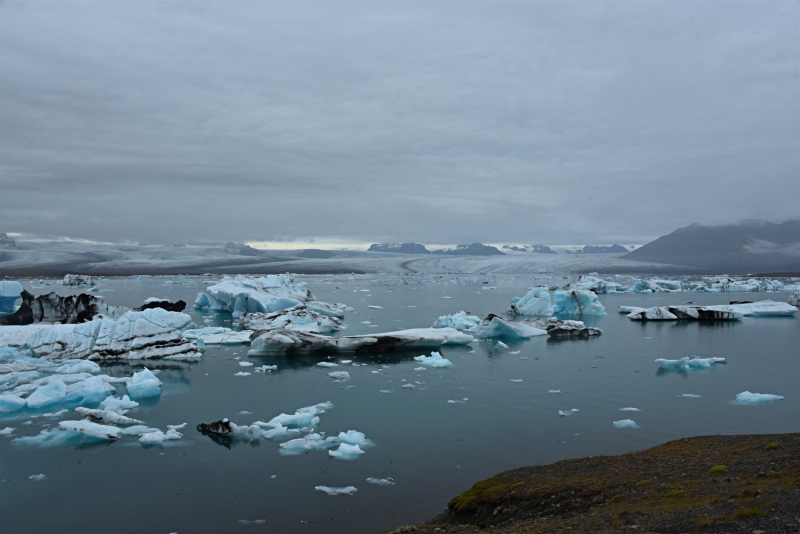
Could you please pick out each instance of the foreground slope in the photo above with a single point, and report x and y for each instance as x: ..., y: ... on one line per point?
x: 714, y: 483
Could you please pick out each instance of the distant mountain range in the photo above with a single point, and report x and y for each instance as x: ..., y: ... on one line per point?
x: 474, y: 249
x: 753, y: 246
x: 613, y: 249
x: 537, y: 249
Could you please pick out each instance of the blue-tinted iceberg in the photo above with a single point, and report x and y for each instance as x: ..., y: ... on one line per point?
x: 495, y: 326
x: 687, y: 363
x: 577, y: 302
x: 657, y: 286
x: 51, y: 393
x: 596, y: 285
x: 536, y: 302
x: 625, y: 423
x: 92, y: 390
x: 461, y: 321
x: 143, y: 384
x: 346, y: 451
x: 434, y: 360
x: 9, y: 293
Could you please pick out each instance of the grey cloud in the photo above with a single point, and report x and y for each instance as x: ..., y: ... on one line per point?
x: 444, y: 122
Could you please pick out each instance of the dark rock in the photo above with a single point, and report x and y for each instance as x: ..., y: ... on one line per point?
x: 51, y: 308
x: 223, y: 426
x: 475, y: 249
x: 163, y: 304
x: 613, y: 249
x: 9, y: 242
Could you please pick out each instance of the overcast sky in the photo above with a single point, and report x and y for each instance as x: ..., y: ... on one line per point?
x: 435, y: 122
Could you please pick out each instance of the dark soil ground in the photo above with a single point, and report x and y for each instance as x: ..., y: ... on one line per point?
x: 712, y: 484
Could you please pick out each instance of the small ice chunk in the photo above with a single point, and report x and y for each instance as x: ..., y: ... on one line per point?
x: 419, y: 369
x: 37, y: 478
x: 339, y: 375
x: 246, y: 364
x: 409, y: 386
x: 386, y: 391
x: 347, y: 361
x: 7, y: 431
x: 625, y: 423
x: 348, y: 490
x: 176, y: 427
x: 346, y: 451
x: 555, y: 391
x: 630, y: 410
x: 118, y: 405
x: 266, y: 368
x: 564, y: 413
x: 93, y: 390
x: 501, y: 345
x: 327, y: 364
x: 434, y: 360
x: 388, y: 481
x: 143, y: 384
x: 106, y: 417
x: 514, y: 352
x: 375, y: 307
x: 689, y: 396
x: 516, y: 380
x: 11, y: 403
x: 353, y: 437
x: 242, y: 373
x: 756, y: 398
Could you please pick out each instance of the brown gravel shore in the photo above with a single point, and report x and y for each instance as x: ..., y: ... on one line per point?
x: 712, y: 484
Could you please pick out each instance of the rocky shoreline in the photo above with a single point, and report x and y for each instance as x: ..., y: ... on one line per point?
x: 713, y: 484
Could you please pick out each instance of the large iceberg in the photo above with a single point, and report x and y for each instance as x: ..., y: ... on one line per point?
x: 51, y: 393
x: 657, y: 286
x: 577, y: 302
x: 300, y: 318
x: 52, y: 308
x: 725, y: 312
x: 78, y: 280
x: 794, y: 299
x: 283, y: 340
x: 9, y: 293
x: 153, y: 333
x: 536, y: 302
x: 461, y: 321
x: 686, y: 363
x: 143, y: 384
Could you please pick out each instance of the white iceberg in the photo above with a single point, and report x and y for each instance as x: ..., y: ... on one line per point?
x: 346, y: 451
x: 577, y: 302
x: 461, y: 321
x: 300, y: 318
x: 566, y: 328
x: 118, y: 405
x: 348, y: 490
x: 434, y: 360
x: 92, y: 429
x: 311, y: 442
x: 106, y: 417
x: 657, y: 286
x: 143, y: 384
x: 596, y: 285
x: 340, y: 375
x: 78, y: 280
x: 388, y: 481
x: 218, y: 335
x: 746, y: 397
x: 687, y: 363
x: 625, y: 423
x: 158, y: 437
x: 536, y: 302
x: 283, y: 340
x: 92, y: 390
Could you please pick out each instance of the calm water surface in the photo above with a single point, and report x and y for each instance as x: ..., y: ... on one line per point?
x: 431, y: 448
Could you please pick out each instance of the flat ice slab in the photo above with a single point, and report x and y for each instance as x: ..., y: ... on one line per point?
x: 746, y: 397
x: 625, y: 423
x: 283, y: 340
x: 434, y: 360
x: 300, y: 318
x: 348, y: 490
x: 687, y: 363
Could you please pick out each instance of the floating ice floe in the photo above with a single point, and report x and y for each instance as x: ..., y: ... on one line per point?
x: 690, y: 396
x: 461, y: 321
x: 299, y: 318
x: 794, y: 299
x: 348, y: 490
x: 686, y: 363
x: 143, y: 384
x: 106, y: 417
x: 536, y: 302
x: 242, y: 294
x: 434, y: 360
x: 242, y: 373
x: 566, y: 328
x: 51, y: 393
x: 158, y: 437
x: 346, y: 451
x: 283, y: 340
x: 51, y: 308
x: 94, y: 430
x: 629, y: 409
x: 218, y: 335
x: 577, y: 302
x: 339, y: 375
x: 746, y: 397
x: 37, y: 478
x: 625, y: 423
x: 122, y: 405
x: 78, y: 280
x: 7, y: 431
x: 327, y: 364
x: 388, y: 481
x: 311, y: 442
x: 565, y: 413
x: 764, y: 308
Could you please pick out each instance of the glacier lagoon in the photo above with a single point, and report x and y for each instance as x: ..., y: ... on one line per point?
x: 429, y: 440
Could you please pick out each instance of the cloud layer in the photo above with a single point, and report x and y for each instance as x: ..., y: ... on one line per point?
x: 531, y: 122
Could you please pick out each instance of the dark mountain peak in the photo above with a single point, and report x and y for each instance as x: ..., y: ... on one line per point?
x: 474, y: 249
x: 399, y: 248
x: 613, y: 249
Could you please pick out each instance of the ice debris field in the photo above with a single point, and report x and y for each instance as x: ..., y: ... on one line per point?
x: 122, y: 363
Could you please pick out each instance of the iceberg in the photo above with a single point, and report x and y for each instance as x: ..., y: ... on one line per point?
x: 311, y: 442
x: 51, y: 308
x: 434, y: 360
x: 242, y: 294
x: 657, y: 286
x: 566, y: 328
x: 106, y: 417
x: 153, y: 333
x: 461, y: 321
x: 92, y: 429
x: 349, y: 490
x: 340, y: 375
x: 536, y: 302
x: 218, y: 335
x: 577, y: 302
x: 48, y: 394
x: 299, y: 318
x: 652, y: 314
x: 92, y: 390
x: 78, y: 280
x: 729, y: 312
x: 495, y: 326
x: 78, y: 366
x: 625, y: 423
x: 11, y: 403
x: 346, y: 451
x: 388, y: 481
x: 158, y: 437
x: 120, y: 406
x: 9, y: 293
x: 595, y: 284
x: 746, y: 397
x: 684, y: 364
x: 143, y: 384
x: 283, y: 340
